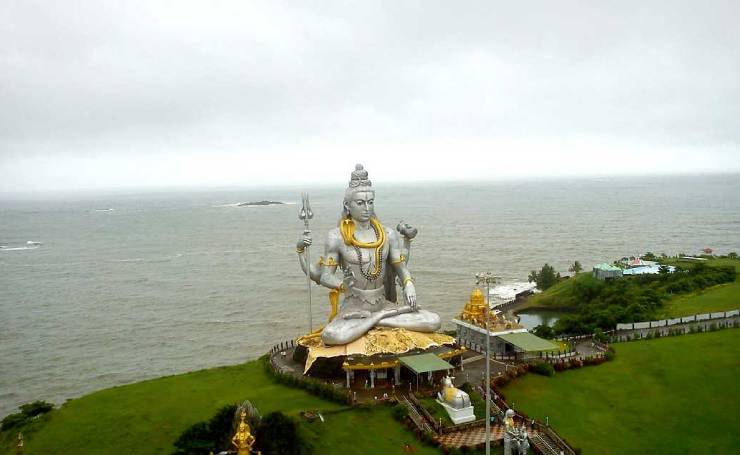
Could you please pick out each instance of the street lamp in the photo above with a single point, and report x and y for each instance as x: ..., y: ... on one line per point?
x: 487, y: 278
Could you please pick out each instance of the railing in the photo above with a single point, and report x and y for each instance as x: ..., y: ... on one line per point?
x: 678, y: 321
x: 540, y: 427
x: 425, y: 413
x: 677, y: 326
x: 418, y: 420
x: 282, y: 346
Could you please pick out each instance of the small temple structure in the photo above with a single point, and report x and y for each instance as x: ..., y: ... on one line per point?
x: 507, y: 337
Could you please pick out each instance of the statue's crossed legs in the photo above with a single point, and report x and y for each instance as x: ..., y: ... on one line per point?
x: 358, y: 314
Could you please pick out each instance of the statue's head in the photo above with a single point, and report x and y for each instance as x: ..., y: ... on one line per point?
x: 359, y: 198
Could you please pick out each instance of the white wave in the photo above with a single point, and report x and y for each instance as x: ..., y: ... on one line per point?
x: 237, y: 204
x: 30, y: 245
x: 504, y: 293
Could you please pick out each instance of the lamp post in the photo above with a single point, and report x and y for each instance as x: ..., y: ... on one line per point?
x: 487, y: 278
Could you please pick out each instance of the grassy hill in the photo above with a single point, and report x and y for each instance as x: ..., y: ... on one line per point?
x: 147, y: 417
x: 668, y: 395
x: 722, y: 297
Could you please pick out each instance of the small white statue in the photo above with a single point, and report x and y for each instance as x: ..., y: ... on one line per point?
x: 452, y: 395
x: 456, y: 402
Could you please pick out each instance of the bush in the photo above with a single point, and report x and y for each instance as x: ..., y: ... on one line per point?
x: 544, y: 331
x: 14, y: 421
x: 399, y: 412
x: 543, y: 368
x: 214, y: 435
x: 36, y: 408
x: 313, y: 386
x: 278, y: 435
x: 28, y: 412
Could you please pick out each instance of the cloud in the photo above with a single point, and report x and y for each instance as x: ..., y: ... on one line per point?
x: 98, y: 88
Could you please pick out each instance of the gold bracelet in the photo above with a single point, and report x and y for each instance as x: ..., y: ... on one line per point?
x: 399, y: 260
x: 300, y: 250
x: 407, y: 280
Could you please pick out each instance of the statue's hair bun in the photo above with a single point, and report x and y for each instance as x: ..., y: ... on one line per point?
x: 359, y: 177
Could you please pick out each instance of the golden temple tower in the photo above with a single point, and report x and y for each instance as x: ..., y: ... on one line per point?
x: 475, y: 310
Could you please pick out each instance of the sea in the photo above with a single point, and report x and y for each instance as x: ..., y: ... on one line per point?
x: 120, y: 287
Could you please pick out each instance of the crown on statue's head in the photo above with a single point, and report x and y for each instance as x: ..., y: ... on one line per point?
x: 359, y: 177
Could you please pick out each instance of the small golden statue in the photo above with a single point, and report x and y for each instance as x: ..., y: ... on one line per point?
x: 243, y: 439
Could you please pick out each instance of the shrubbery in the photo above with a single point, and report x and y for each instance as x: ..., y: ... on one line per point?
x: 603, y: 304
x: 276, y: 434
x: 542, y: 368
x: 28, y: 412
x: 203, y: 437
x: 316, y: 387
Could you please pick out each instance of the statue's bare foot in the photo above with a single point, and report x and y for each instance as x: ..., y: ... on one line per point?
x: 360, y: 314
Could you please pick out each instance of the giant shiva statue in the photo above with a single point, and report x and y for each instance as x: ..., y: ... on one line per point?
x: 373, y: 259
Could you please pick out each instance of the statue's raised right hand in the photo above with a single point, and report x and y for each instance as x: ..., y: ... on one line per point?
x: 305, y: 240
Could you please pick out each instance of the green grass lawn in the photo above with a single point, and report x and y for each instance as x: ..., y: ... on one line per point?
x: 668, y: 395
x: 723, y: 297
x: 557, y: 297
x: 147, y: 417
x: 361, y: 432
x: 714, y: 262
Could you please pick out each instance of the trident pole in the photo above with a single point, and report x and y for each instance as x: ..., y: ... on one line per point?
x: 306, y: 214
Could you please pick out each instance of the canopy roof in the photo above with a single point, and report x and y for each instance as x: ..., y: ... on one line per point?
x: 528, y: 342
x: 607, y: 267
x: 424, y: 363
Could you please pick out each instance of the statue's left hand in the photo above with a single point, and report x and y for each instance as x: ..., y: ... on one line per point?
x: 409, y: 292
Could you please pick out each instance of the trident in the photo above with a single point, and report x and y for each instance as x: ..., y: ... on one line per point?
x: 306, y: 214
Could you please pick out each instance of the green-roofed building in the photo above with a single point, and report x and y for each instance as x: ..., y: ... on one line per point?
x: 606, y: 271
x: 527, y: 342
x: 425, y: 363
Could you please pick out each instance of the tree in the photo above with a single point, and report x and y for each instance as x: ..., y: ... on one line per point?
x: 576, y: 268
x: 544, y: 331
x: 545, y: 278
x: 204, y: 437
x: 649, y: 256
x: 278, y: 435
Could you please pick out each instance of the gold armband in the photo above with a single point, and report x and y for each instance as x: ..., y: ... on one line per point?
x: 300, y: 250
x: 330, y: 262
x: 407, y: 280
x: 399, y: 260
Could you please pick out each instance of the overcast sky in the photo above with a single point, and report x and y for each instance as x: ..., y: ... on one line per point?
x: 103, y: 95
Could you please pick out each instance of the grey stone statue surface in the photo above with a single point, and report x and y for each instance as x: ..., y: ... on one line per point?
x: 515, y: 439
x: 373, y: 261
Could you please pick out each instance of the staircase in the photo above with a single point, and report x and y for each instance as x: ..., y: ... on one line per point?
x: 420, y: 422
x: 543, y: 444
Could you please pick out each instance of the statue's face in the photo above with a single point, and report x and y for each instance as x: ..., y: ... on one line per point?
x: 361, y: 206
